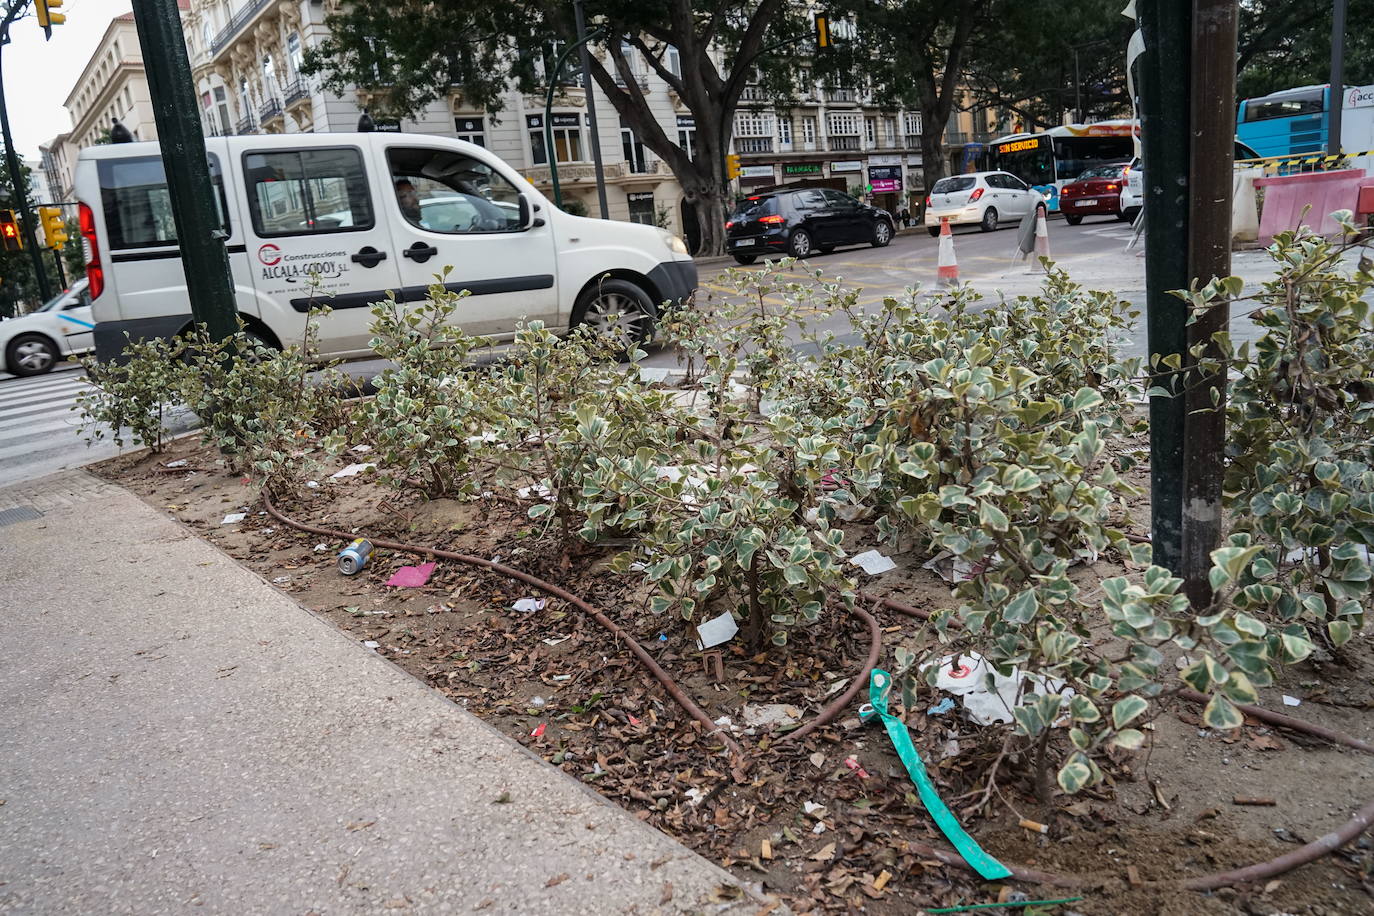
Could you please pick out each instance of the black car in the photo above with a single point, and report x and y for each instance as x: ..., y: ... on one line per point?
x: 801, y: 222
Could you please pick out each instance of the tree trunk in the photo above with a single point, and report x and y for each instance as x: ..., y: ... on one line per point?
x: 932, y: 152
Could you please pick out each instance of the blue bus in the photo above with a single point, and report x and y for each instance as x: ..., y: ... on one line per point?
x: 1287, y: 123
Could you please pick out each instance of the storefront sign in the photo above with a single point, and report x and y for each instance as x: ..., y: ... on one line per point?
x: 387, y: 125
x: 852, y: 165
x: 468, y: 125
x: 534, y: 122
x: 638, y: 196
x: 884, y: 178
x: 756, y: 172
x: 686, y: 121
x: 801, y: 168
x: 883, y: 160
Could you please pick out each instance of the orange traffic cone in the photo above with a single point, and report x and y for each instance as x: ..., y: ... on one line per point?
x: 1042, y: 242
x: 948, y: 272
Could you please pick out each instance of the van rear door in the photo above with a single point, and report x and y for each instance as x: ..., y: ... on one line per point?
x: 315, y: 238
x: 452, y: 207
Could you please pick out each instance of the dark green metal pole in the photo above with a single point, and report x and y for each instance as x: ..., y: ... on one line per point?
x: 552, y: 79
x: 21, y: 190
x: 1209, y: 257
x: 203, y: 255
x: 1165, y: 104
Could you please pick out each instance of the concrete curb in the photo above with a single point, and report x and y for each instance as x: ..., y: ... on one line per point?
x: 178, y: 732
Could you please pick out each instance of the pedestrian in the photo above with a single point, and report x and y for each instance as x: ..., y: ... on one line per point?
x: 905, y: 216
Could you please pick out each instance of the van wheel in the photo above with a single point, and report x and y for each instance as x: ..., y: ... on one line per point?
x: 745, y: 259
x: 618, y: 309
x: 1073, y: 220
x: 933, y: 230
x: 30, y: 354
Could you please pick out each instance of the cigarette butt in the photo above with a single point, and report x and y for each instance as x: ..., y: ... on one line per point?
x: 1133, y: 875
x: 766, y: 849
x: 1254, y: 800
x: 1036, y: 826
x: 881, y: 883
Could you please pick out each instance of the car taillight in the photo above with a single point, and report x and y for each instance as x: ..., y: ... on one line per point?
x: 975, y: 195
x: 729, y: 223
x: 927, y: 200
x: 774, y: 220
x: 95, y: 273
x: 1113, y: 186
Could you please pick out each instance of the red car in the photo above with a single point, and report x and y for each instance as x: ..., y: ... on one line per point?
x: 1097, y: 192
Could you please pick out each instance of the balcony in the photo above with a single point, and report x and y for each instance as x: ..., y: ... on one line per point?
x: 754, y: 94
x: 246, y: 126
x: 236, y: 24
x: 296, y: 91
x: 641, y: 81
x: 845, y: 145
x: 842, y: 95
x: 270, y: 111
x: 748, y: 145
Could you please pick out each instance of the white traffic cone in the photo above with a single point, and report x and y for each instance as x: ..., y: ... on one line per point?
x: 1042, y: 242
x: 948, y: 272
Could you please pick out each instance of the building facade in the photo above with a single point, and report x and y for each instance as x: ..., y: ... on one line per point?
x: 112, y: 87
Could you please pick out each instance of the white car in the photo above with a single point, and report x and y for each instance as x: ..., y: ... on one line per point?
x: 34, y: 343
x: 986, y: 199
x: 1132, y: 191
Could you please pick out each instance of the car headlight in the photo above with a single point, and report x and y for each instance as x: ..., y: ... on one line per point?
x: 674, y: 243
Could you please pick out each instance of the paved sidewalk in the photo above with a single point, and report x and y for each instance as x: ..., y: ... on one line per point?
x: 180, y: 737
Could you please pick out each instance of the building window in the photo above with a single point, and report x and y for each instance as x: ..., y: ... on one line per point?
x: 687, y: 135
x: 245, y: 100
x: 222, y: 107
x: 295, y: 56
x: 871, y: 132
x: 785, y: 131
x: 567, y: 138
x: 473, y: 130
x: 641, y: 207
x: 809, y: 131
x: 207, y: 35
x: 636, y: 160
x: 842, y: 124
x: 307, y: 191
x: 672, y: 61
x: 890, y: 136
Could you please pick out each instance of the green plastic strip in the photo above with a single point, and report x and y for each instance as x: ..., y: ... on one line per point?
x: 880, y: 682
x: 994, y: 906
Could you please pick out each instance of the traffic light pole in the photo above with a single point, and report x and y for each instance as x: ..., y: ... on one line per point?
x: 203, y: 255
x: 21, y: 191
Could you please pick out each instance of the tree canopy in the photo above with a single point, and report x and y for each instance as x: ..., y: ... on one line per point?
x: 1287, y: 43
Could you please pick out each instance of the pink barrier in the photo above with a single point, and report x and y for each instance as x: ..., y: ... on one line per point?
x: 1286, y: 196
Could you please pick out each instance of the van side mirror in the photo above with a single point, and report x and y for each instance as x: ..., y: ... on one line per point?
x: 527, y: 218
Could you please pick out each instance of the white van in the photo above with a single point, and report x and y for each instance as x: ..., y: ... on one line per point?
x: 365, y: 213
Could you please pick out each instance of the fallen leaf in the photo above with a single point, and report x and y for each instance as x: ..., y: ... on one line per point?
x: 1265, y: 743
x: 502, y: 799
x: 556, y: 880
x: 766, y: 849
x: 360, y: 825
x: 818, y: 760
x: 1078, y: 809
x: 725, y: 893
x: 1272, y: 886
x: 824, y: 853
x: 667, y: 893
x: 1133, y: 876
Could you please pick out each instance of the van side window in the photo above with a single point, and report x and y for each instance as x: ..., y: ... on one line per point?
x: 138, y: 207
x: 444, y: 191
x: 301, y: 192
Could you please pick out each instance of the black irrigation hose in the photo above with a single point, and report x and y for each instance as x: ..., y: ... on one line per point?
x: 1276, y: 866
x: 549, y: 588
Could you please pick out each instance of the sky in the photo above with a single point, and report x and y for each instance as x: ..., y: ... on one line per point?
x: 39, y: 75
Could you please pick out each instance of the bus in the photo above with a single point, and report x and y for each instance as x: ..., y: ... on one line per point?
x: 1048, y: 160
x: 1286, y: 123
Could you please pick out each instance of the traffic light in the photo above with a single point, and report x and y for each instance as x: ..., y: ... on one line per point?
x: 823, y: 42
x: 10, y: 237
x: 46, y: 17
x: 732, y: 166
x: 54, y: 227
